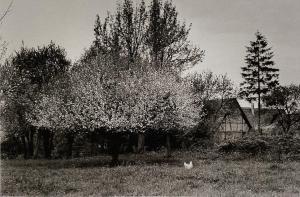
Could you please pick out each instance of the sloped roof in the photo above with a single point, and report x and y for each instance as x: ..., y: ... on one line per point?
x: 267, y: 116
x: 250, y: 117
x: 228, y: 106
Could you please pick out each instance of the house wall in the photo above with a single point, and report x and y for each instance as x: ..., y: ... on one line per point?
x: 232, y: 127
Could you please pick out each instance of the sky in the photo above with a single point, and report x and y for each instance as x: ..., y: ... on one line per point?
x: 220, y: 27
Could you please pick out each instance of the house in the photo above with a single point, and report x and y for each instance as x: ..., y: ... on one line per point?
x: 268, y: 120
x: 229, y: 119
x: 234, y: 119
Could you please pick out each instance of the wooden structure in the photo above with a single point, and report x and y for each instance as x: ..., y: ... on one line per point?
x: 231, y: 121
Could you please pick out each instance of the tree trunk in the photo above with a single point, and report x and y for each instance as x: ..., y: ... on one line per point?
x: 70, y: 138
x: 259, y: 92
x: 259, y: 127
x: 115, y: 144
x: 37, y: 145
x: 30, y: 141
x: 168, y: 144
x: 46, y: 141
x: 132, y: 143
x: 93, y: 137
x: 51, y: 142
x: 25, y: 146
x: 141, y: 143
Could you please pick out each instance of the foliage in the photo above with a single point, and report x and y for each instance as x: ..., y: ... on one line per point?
x: 135, y: 33
x: 167, y: 38
x: 120, y: 101
x: 118, y: 86
x: 259, y: 74
x: 213, y: 91
x: 3, y: 48
x: 208, y: 86
x: 25, y: 76
x: 127, y: 81
x: 40, y: 65
x: 122, y: 34
x: 286, y: 100
x: 275, y: 147
x: 28, y: 74
x: 245, y: 145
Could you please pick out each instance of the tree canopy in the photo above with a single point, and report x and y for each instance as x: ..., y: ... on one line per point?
x: 129, y: 80
x: 259, y: 74
x: 25, y: 76
x: 132, y: 101
x: 151, y: 32
x: 286, y: 100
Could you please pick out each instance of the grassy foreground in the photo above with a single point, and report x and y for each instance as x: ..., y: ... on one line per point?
x: 150, y: 174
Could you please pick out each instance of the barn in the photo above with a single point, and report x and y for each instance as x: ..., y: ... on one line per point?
x: 230, y: 120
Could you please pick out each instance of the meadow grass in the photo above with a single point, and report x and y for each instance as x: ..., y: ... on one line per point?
x: 150, y: 174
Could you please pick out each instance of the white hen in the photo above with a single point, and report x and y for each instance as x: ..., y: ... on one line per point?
x: 188, y: 165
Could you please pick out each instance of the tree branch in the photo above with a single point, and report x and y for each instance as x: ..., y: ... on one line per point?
x: 8, y: 9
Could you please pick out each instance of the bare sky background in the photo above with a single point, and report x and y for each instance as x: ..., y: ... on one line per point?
x: 221, y: 27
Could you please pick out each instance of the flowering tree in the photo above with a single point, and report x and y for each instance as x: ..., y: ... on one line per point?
x: 123, y: 101
x: 133, y: 35
x: 26, y: 76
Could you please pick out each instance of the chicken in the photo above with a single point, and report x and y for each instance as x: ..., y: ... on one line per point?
x: 188, y: 165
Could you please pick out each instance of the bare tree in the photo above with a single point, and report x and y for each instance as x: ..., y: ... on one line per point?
x: 8, y: 9
x: 3, y: 44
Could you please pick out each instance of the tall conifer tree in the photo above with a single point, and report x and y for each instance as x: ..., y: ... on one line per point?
x: 259, y: 74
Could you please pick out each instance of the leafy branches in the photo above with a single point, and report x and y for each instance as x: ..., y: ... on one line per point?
x: 133, y: 101
x: 286, y: 100
x: 153, y: 34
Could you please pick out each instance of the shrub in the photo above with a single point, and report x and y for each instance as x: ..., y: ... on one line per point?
x: 245, y: 145
x: 10, y: 147
x: 278, y: 147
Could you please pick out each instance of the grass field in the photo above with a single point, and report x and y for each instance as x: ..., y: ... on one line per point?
x: 150, y: 174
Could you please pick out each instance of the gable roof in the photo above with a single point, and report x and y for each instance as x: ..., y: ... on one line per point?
x: 228, y: 106
x: 267, y: 116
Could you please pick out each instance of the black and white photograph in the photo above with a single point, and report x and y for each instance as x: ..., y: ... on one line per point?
x: 150, y: 98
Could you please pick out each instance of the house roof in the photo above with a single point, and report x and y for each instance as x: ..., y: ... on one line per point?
x: 228, y: 106
x: 267, y: 116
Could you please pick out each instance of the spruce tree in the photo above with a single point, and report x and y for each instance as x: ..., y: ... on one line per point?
x: 259, y: 74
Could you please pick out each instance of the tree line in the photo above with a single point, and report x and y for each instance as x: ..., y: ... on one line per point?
x: 129, y: 81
